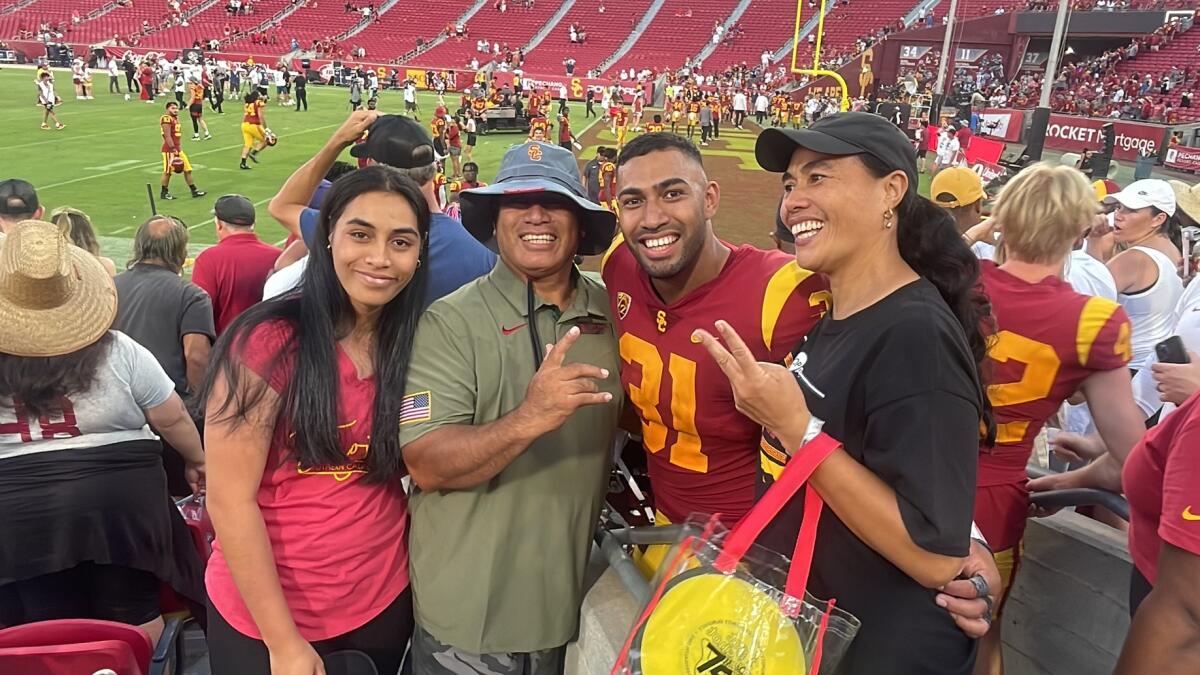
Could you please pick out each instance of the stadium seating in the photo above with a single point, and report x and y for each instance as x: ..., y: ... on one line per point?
x: 396, y: 33
x: 673, y: 36
x: 122, y: 20
x: 1180, y: 52
x: 514, y: 27
x: 842, y: 29
x: 605, y: 32
x: 765, y: 25
x: 315, y: 21
x: 970, y: 9
x: 210, y: 24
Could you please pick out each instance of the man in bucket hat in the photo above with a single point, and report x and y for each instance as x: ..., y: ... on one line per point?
x: 507, y: 424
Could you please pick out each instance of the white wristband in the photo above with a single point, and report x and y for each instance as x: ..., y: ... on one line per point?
x: 976, y: 533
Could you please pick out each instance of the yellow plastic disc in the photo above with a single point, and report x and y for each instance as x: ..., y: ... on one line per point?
x: 711, y: 624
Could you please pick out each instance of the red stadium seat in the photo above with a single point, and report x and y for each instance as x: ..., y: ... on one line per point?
x: 75, y: 647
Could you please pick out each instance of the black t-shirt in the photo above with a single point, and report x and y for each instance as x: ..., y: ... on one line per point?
x: 901, y: 395
x: 157, y: 308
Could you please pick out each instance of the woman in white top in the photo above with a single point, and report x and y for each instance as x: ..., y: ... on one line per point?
x: 1145, y: 261
x: 89, y: 531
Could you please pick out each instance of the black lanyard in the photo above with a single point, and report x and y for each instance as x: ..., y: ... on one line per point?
x: 533, y: 331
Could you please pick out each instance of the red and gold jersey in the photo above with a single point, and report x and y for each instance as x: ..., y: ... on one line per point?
x: 251, y: 112
x: 621, y: 117
x: 195, y: 93
x: 797, y: 107
x: 173, y: 131
x: 703, y: 454
x: 460, y: 185
x: 437, y: 126
x: 1049, y: 339
x: 479, y: 104
x: 694, y: 108
x: 679, y: 106
x: 539, y: 128
x: 608, y: 181
x: 653, y: 128
x: 439, y: 184
x: 535, y: 102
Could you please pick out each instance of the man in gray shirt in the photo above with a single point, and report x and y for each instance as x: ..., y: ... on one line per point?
x: 591, y: 176
x: 170, y: 317
x: 706, y: 122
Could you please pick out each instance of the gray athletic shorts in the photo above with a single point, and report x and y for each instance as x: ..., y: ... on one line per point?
x: 430, y: 657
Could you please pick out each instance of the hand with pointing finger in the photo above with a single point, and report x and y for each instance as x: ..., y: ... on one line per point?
x: 557, y: 390
x: 765, y: 392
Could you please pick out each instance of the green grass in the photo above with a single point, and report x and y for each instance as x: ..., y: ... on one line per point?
x: 110, y: 150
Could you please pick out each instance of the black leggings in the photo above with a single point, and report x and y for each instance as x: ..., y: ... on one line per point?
x: 383, y: 638
x: 86, y: 591
x: 1139, y: 588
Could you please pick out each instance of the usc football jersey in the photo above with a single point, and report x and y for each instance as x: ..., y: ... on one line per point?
x: 654, y: 128
x: 195, y: 93
x: 250, y: 112
x: 175, y: 135
x: 437, y: 126
x: 608, y: 181
x: 702, y: 454
x: 1049, y: 339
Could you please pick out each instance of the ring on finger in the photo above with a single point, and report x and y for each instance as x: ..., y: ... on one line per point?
x: 981, y: 585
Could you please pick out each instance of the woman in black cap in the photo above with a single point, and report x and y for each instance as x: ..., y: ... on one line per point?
x: 892, y: 374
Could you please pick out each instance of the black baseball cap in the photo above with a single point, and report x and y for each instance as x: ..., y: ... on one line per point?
x: 235, y: 210
x: 17, y: 197
x: 397, y: 141
x: 847, y: 133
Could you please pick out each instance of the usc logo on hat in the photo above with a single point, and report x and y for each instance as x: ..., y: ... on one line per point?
x: 535, y: 152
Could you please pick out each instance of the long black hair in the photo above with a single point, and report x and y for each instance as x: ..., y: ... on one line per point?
x: 319, y: 314
x: 41, y: 382
x: 931, y: 245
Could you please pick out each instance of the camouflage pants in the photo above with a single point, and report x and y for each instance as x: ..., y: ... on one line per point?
x: 430, y: 657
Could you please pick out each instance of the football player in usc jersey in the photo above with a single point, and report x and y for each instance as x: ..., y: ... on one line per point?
x: 668, y: 275
x: 254, y: 126
x: 1050, y: 343
x: 173, y: 157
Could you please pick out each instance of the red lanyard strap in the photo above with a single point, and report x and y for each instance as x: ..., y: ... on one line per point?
x: 795, y: 474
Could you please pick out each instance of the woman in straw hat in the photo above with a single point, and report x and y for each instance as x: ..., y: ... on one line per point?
x: 88, y: 528
x: 303, y: 400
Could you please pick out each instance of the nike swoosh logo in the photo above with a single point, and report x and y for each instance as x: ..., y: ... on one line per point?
x: 510, y: 331
x: 1188, y: 515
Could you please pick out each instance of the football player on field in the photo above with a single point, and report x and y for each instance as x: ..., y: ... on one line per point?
x: 174, y: 159
x: 1050, y: 343
x: 669, y: 275
x: 254, y: 127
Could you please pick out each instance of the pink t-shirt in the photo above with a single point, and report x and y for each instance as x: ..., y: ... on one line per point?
x: 340, y: 543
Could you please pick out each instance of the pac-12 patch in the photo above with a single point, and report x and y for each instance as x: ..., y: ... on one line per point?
x: 416, y: 407
x: 623, y: 302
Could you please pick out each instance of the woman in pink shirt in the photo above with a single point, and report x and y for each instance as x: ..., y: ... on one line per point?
x: 304, y: 463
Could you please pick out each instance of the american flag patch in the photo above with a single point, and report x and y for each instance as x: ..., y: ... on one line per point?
x: 416, y: 408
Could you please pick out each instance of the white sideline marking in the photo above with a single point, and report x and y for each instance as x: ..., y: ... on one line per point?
x: 114, y: 165
x: 159, y: 162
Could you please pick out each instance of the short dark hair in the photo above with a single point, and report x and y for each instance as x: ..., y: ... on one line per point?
x: 470, y: 166
x: 171, y: 103
x: 659, y: 140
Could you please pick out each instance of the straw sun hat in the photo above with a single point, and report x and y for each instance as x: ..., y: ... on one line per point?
x: 1187, y: 198
x: 55, y: 298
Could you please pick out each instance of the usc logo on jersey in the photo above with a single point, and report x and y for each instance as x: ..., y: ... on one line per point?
x: 660, y: 320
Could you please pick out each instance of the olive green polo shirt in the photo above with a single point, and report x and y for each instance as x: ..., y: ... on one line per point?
x: 500, y: 567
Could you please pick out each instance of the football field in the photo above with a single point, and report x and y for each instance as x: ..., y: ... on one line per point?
x: 110, y: 151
